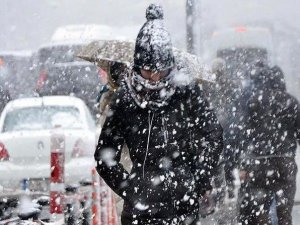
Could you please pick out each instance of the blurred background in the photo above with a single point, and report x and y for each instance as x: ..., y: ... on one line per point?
x: 39, y: 42
x: 26, y: 24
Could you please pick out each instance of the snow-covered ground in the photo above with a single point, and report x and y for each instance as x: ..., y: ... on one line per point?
x: 296, y: 214
x: 227, y: 216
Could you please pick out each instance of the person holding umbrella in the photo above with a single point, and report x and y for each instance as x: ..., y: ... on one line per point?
x: 174, y: 138
x: 110, y: 79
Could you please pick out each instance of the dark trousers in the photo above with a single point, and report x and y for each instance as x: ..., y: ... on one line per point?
x: 273, y: 178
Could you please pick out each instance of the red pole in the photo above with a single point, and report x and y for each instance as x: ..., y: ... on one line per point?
x: 96, y: 210
x: 114, y: 212
x: 103, y: 202
x: 57, y: 185
x: 109, y: 207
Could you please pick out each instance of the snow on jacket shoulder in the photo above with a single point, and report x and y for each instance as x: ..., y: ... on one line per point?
x: 173, y: 151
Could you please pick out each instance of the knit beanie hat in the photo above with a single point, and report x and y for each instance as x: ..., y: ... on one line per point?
x: 153, y: 47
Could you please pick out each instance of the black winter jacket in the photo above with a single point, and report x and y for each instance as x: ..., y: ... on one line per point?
x: 273, y: 126
x: 173, y: 151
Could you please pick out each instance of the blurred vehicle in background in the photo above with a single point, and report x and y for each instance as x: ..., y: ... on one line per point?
x: 26, y: 126
x: 241, y: 48
x: 60, y: 72
x: 16, y: 73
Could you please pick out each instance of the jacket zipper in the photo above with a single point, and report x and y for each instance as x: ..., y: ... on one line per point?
x: 150, y: 122
x: 165, y: 131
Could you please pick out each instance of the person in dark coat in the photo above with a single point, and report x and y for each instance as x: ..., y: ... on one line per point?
x: 109, y: 78
x: 174, y: 138
x: 4, y: 97
x: 267, y: 167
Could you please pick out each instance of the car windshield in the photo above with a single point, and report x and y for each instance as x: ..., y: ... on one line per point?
x: 41, y: 118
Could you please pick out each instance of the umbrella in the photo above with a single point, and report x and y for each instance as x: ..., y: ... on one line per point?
x: 103, y: 52
x: 190, y: 65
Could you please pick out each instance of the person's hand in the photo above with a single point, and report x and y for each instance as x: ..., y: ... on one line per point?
x: 207, y: 194
x: 243, y: 175
x: 207, y: 204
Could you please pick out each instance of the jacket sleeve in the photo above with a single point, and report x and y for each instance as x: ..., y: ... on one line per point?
x: 108, y: 152
x: 207, y: 139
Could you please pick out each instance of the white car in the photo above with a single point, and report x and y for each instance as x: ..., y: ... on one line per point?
x: 26, y: 126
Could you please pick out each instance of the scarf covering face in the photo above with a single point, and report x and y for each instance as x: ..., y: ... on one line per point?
x: 151, y: 95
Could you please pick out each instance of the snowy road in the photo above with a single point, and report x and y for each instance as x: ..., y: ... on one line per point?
x: 228, y: 217
x: 296, y: 214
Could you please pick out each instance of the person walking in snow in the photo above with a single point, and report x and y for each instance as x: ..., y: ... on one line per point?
x: 267, y: 165
x: 174, y: 138
x: 110, y: 79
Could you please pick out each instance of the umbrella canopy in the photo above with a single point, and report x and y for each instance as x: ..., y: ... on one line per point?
x: 190, y: 65
x: 103, y: 52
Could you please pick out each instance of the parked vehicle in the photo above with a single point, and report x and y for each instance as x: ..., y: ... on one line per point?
x: 16, y: 73
x: 26, y: 126
x: 60, y: 72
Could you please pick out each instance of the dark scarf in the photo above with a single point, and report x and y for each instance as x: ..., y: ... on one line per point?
x: 147, y: 95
